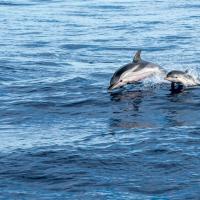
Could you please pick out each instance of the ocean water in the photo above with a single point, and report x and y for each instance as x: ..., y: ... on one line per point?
x: 63, y: 135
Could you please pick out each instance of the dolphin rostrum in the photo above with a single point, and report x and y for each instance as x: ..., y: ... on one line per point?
x: 135, y: 71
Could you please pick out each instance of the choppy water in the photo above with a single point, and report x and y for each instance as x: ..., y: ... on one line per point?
x: 63, y: 136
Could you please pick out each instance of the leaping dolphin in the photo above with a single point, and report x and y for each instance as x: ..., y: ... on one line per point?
x: 182, y: 77
x: 135, y: 71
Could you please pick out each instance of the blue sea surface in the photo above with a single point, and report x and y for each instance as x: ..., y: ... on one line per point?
x: 63, y: 135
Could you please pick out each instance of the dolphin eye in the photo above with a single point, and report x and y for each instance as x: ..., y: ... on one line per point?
x: 120, y: 80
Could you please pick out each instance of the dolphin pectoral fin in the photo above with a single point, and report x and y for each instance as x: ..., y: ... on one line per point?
x: 172, y: 86
x: 128, y: 83
x: 181, y: 87
x: 137, y: 56
x: 177, y: 88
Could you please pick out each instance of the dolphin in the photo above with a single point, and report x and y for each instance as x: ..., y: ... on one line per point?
x: 135, y: 71
x: 181, y: 78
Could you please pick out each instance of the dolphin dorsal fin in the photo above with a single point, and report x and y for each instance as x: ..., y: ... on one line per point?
x: 137, y: 57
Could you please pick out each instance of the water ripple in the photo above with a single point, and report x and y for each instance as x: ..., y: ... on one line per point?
x: 63, y: 135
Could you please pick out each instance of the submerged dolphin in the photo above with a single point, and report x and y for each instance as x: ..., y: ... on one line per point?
x: 135, y: 71
x: 181, y: 77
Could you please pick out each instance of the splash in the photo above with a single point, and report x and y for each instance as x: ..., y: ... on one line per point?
x: 194, y: 72
x: 155, y: 81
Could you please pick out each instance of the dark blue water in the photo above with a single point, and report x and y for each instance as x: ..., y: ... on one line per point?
x: 63, y: 136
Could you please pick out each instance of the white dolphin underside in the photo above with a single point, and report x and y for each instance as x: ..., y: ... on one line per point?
x: 131, y: 76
